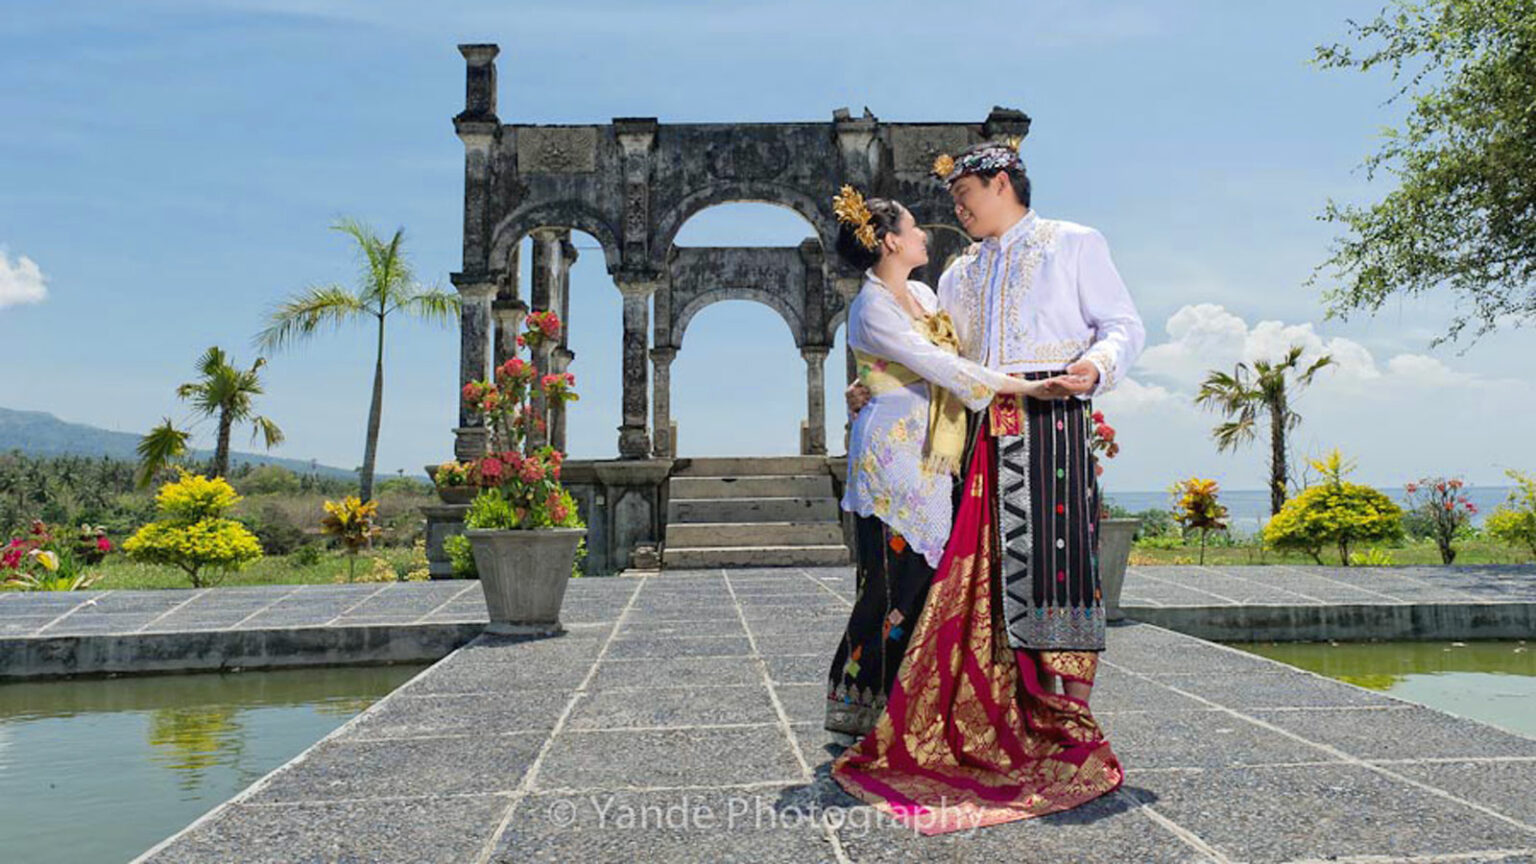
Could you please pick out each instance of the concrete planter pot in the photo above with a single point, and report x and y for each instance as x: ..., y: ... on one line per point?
x: 456, y: 494
x: 1115, y: 537
x: 523, y: 575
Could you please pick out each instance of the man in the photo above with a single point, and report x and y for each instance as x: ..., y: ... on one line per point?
x: 1038, y: 298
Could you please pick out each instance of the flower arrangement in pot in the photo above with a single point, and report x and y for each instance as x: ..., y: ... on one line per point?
x: 522, y: 524
x: 453, y: 481
x: 1114, y: 535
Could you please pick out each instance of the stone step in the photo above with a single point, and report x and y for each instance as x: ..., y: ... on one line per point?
x: 771, y: 486
x: 818, y: 509
x: 755, y: 556
x: 749, y: 466
x: 692, y: 535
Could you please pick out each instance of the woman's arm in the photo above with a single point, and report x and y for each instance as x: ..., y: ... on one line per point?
x: 883, y: 329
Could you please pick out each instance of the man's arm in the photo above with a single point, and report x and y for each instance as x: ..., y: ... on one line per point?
x: 1118, y: 331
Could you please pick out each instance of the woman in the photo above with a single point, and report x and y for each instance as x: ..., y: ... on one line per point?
x: 904, y: 448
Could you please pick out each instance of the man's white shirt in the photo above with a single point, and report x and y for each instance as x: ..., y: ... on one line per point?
x: 1040, y: 297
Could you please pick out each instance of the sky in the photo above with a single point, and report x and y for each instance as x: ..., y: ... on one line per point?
x: 169, y: 170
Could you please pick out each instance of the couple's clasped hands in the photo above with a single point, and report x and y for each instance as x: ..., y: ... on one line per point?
x: 1080, y: 377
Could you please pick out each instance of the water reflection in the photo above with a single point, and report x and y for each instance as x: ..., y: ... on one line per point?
x: 142, y: 757
x: 1492, y: 682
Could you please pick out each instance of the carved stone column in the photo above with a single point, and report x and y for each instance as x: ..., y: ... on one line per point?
x: 661, y: 386
x: 471, y: 438
x: 560, y: 362
x: 814, y: 442
x: 548, y: 264
x: 634, y: 443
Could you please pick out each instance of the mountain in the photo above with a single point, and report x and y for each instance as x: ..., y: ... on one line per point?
x: 39, y: 433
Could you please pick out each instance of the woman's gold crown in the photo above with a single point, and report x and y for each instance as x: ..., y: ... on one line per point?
x: 851, y: 210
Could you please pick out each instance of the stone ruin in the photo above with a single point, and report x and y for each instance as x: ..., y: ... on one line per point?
x: 631, y: 184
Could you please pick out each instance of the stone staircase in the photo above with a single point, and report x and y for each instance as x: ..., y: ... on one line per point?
x: 776, y: 511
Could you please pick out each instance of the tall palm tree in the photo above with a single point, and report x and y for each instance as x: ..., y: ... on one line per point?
x: 386, y: 285
x: 1245, y: 394
x: 223, y: 392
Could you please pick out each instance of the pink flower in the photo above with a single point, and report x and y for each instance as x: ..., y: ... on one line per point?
x: 1098, y: 416
x: 490, y: 468
x: 1412, y: 488
x: 103, y: 544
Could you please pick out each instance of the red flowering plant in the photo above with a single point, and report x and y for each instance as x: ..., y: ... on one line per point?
x: 1443, y: 509
x: 1102, y: 440
x: 37, y: 560
x: 520, y: 486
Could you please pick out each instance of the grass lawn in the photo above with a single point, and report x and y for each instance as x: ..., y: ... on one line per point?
x: 1421, y: 553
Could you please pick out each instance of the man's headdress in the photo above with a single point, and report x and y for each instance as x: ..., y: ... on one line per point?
x: 995, y: 156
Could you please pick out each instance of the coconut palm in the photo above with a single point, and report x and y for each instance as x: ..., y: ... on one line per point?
x: 221, y: 391
x: 386, y: 285
x: 1246, y: 395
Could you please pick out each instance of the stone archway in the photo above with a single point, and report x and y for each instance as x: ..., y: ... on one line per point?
x: 631, y: 183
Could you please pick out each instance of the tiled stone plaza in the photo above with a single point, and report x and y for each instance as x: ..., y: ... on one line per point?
x: 679, y: 720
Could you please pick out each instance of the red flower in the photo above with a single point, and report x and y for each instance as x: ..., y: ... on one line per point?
x: 532, y: 471
x: 103, y: 544
x: 490, y: 468
x: 1098, y: 416
x: 1456, y: 484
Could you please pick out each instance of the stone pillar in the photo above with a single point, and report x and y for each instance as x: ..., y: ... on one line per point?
x: 471, y: 436
x: 548, y: 262
x: 478, y: 127
x: 662, y: 444
x: 634, y: 443
x: 508, y: 311
x: 508, y: 315
x: 814, y: 441
x: 560, y: 361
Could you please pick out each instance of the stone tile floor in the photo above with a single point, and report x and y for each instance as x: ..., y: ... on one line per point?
x: 679, y: 720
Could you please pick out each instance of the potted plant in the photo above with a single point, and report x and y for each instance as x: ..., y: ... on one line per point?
x: 452, y: 480
x: 522, y: 525
x: 1115, y: 535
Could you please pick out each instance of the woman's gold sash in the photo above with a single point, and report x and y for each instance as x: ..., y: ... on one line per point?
x: 946, y: 413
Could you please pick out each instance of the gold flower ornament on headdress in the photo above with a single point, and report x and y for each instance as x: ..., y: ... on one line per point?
x: 943, y: 165
x: 849, y: 206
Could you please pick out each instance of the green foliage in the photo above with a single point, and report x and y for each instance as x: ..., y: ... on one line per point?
x: 268, y: 480
x: 1513, y: 523
x: 307, y: 555
x: 1461, y: 215
x: 461, y: 556
x: 493, y: 508
x: 405, y: 486
x: 193, y: 534
x: 1336, y: 513
x: 275, y: 531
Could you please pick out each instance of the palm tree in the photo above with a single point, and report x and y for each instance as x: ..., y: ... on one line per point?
x: 386, y: 285
x: 221, y: 391
x: 1244, y: 394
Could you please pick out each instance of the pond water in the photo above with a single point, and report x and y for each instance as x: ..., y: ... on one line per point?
x: 99, y: 770
x: 1492, y: 682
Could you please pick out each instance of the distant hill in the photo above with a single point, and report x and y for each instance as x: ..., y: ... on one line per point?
x: 38, y: 433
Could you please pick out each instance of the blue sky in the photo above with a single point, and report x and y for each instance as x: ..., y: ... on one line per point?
x: 168, y: 171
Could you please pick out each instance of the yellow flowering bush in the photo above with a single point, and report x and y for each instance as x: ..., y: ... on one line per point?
x: 192, y: 532
x: 1334, y: 513
x: 1513, y: 523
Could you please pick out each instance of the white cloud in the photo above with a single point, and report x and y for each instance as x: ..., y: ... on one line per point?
x: 1207, y: 336
x: 21, y: 282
